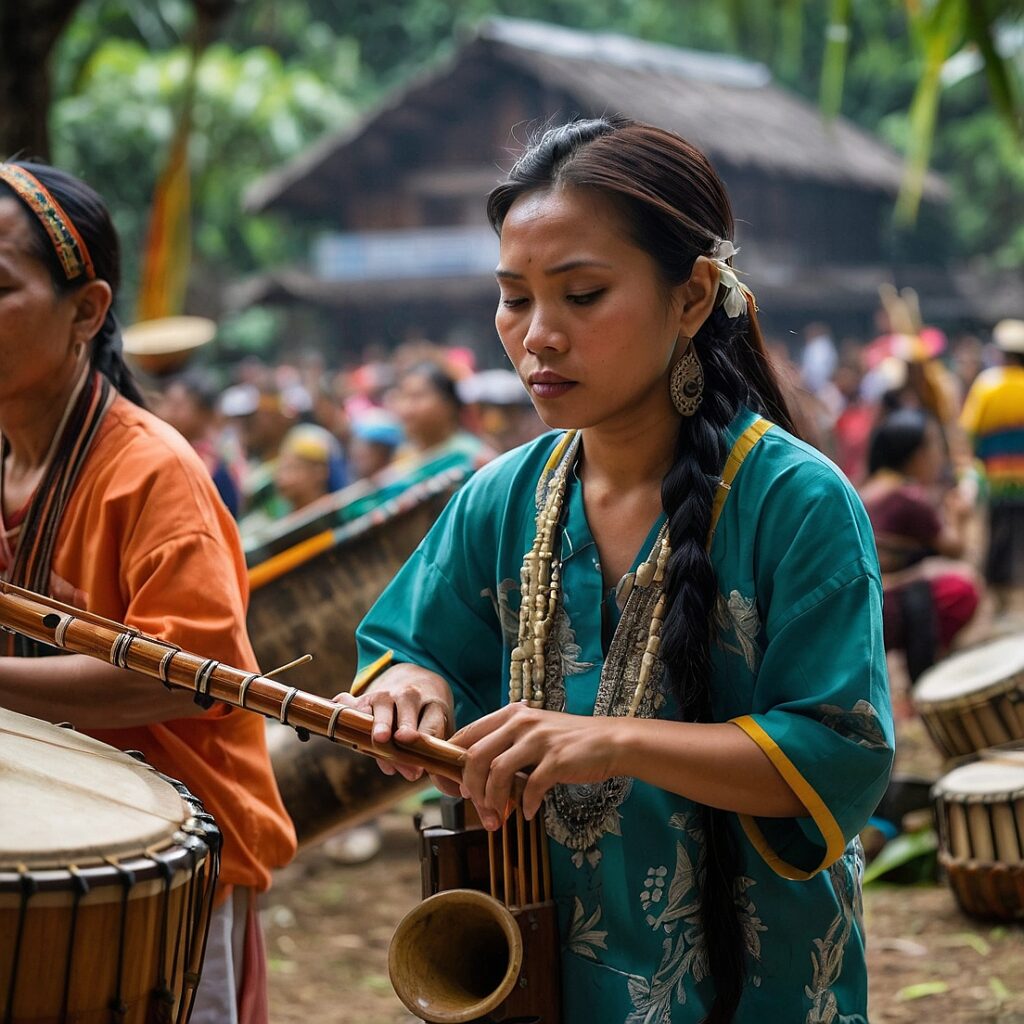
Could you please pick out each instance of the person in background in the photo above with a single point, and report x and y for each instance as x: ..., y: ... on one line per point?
x: 375, y: 437
x: 993, y: 419
x: 302, y: 470
x: 261, y: 418
x: 852, y: 429
x: 967, y: 358
x: 428, y: 406
x: 819, y: 358
x: 330, y: 413
x: 189, y: 404
x: 503, y: 409
x: 928, y: 594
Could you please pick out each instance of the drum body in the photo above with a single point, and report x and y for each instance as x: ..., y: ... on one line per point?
x: 107, y: 873
x: 974, y: 699
x: 979, y: 808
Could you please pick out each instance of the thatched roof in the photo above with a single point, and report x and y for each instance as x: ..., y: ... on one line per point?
x: 727, y: 106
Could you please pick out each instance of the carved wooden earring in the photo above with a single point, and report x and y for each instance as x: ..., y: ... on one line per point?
x: 687, y: 382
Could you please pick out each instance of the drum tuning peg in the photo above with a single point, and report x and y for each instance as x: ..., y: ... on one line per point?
x: 304, y: 660
x: 303, y: 734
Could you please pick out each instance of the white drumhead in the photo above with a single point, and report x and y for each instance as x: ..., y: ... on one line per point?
x: 67, y: 799
x: 972, y: 670
x: 993, y: 777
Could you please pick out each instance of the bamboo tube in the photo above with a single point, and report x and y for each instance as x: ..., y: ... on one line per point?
x: 545, y: 859
x: 532, y: 832
x: 493, y: 862
x: 521, y: 857
x: 71, y: 629
x: 506, y: 868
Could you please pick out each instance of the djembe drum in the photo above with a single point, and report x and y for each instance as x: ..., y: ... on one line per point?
x: 979, y: 808
x: 974, y: 699
x: 107, y: 873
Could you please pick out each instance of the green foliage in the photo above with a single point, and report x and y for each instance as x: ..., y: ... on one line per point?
x: 252, y: 111
x: 907, y: 859
x: 286, y: 71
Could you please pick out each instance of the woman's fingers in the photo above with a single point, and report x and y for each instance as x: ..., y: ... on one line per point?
x: 502, y: 747
x: 434, y: 719
x: 351, y: 701
x: 537, y: 785
x: 382, y: 706
x: 408, y: 706
x: 500, y: 779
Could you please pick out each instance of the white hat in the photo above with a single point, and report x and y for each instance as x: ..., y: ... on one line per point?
x: 162, y: 345
x: 240, y: 400
x: 1009, y: 335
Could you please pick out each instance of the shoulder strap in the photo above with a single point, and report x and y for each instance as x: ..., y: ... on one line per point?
x: 740, y: 450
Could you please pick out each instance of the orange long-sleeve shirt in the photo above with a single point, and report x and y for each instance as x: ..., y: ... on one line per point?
x: 149, y: 543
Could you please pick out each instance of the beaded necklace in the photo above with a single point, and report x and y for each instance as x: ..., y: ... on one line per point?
x: 541, y: 577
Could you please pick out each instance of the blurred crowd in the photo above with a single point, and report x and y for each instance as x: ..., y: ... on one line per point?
x: 929, y: 429
x: 931, y: 432
x: 279, y: 439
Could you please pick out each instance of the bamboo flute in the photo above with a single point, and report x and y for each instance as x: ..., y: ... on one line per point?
x: 72, y: 629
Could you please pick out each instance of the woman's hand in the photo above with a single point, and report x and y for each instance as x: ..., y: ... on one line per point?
x: 553, y: 747
x: 407, y: 701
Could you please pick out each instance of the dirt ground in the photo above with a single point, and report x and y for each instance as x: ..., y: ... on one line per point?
x: 328, y: 929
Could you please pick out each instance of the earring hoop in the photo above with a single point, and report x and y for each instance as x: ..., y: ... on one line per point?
x: 686, y: 384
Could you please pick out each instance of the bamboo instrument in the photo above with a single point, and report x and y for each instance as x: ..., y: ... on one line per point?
x: 71, y: 629
x: 493, y: 967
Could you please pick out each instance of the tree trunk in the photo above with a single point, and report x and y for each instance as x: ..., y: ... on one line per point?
x: 29, y: 30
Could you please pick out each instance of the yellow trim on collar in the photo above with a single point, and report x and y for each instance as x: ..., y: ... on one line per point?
x: 555, y: 457
x: 816, y: 807
x: 740, y: 450
x: 367, y: 676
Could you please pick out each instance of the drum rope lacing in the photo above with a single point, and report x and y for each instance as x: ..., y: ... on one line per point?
x: 81, y: 888
x: 28, y: 890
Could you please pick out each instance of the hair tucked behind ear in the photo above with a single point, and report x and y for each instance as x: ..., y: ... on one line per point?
x: 676, y: 209
x: 90, y: 216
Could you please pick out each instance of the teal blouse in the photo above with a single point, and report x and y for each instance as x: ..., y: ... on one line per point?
x: 798, y: 664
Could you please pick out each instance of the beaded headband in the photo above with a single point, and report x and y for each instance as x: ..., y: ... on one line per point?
x: 67, y: 242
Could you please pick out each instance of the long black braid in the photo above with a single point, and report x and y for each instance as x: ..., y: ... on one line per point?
x: 676, y: 208
x: 687, y: 493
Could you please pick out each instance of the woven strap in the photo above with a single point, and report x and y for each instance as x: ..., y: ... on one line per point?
x: 33, y: 556
x: 740, y: 450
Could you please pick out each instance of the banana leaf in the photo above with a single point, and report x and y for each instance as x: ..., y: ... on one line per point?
x: 908, y: 859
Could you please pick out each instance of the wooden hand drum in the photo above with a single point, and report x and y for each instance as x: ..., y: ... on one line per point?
x: 107, y: 872
x: 975, y: 699
x: 979, y: 808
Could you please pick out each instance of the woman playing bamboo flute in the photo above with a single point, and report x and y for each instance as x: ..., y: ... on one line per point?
x: 668, y: 611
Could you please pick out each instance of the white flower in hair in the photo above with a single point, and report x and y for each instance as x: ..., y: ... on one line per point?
x: 734, y: 301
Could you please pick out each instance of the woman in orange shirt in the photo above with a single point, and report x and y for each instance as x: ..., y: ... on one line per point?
x: 105, y: 506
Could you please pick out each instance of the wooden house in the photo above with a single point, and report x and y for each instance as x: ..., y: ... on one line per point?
x: 399, y: 197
